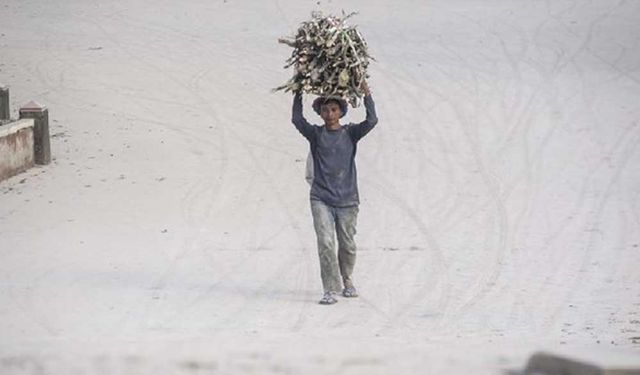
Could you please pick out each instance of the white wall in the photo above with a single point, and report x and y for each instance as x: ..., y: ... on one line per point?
x: 16, y: 147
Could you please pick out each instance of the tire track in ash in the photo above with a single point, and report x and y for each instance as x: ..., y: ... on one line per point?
x: 280, y: 199
x: 496, y: 197
x: 79, y: 97
x: 197, y: 215
x: 441, y: 268
x: 552, y: 262
x: 264, y: 290
x: 630, y: 142
x: 432, y: 275
x: 491, y: 183
x: 54, y: 87
x: 194, y: 90
x: 405, y: 83
x: 198, y: 208
x: 410, y: 81
x: 206, y: 105
x: 521, y: 112
x: 557, y: 260
x: 196, y: 189
x: 81, y: 103
x: 556, y: 69
x: 303, y: 275
x: 449, y: 213
x: 285, y: 266
x: 162, y: 281
x: 584, y: 44
x: 547, y: 136
x: 556, y: 264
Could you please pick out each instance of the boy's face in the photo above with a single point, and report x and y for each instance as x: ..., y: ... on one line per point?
x: 330, y: 112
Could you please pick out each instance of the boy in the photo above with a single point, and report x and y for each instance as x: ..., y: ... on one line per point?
x: 334, y: 191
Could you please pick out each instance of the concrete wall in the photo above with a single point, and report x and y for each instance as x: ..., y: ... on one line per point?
x: 16, y: 147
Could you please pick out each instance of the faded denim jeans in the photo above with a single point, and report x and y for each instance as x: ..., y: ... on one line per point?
x: 328, y: 222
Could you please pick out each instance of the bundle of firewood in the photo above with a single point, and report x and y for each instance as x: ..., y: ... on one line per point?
x: 329, y: 58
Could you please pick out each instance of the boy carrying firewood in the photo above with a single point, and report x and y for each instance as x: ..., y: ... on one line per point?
x: 334, y: 190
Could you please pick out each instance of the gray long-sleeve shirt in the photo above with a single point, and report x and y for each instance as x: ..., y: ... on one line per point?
x: 335, y: 178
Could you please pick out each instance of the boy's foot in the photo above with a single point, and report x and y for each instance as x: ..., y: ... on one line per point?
x: 328, y: 298
x: 350, y: 292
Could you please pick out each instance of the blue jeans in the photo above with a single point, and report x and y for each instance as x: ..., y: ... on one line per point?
x: 328, y: 222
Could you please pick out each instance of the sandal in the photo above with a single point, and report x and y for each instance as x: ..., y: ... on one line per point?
x: 349, y: 292
x: 328, y: 298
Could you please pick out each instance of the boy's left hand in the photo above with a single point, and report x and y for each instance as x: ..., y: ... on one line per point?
x: 365, y: 87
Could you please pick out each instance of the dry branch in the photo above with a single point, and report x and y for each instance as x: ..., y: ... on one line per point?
x: 329, y: 59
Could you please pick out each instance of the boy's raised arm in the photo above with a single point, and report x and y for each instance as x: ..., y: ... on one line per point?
x: 297, y: 118
x: 360, y: 130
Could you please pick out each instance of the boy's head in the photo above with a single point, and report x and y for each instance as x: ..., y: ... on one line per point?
x: 330, y: 107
